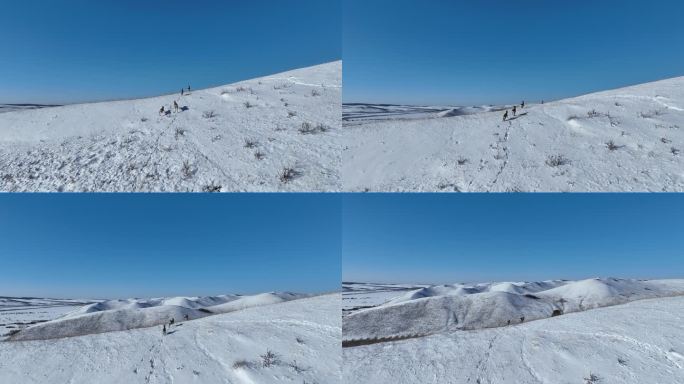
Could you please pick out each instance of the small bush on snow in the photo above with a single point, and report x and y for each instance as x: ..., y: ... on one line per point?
x: 556, y: 160
x: 212, y: 187
x: 269, y: 358
x: 612, y: 146
x: 309, y: 129
x: 187, y: 170
x: 288, y: 174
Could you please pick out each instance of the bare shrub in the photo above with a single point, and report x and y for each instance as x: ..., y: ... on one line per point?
x: 442, y: 186
x: 288, y: 174
x: 665, y: 140
x: 212, y: 187
x: 187, y: 170
x: 248, y: 104
x: 306, y: 128
x: 315, y: 93
x: 269, y: 358
x: 179, y: 132
x: 209, y: 114
x: 592, y: 379
x: 593, y: 113
x: 251, y: 143
x: 612, y: 146
x: 310, y: 129
x: 259, y: 156
x: 557, y: 160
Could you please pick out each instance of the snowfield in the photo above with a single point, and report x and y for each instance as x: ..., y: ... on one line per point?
x: 628, y: 139
x: 276, y: 133
x: 589, y: 331
x: 634, y: 343
x: 303, y: 337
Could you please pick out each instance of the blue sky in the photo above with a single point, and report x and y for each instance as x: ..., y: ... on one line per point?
x: 142, y: 245
x: 444, y: 238
x: 501, y: 51
x: 84, y: 50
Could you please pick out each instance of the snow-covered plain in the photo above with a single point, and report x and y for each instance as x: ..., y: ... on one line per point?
x: 626, y: 331
x: 22, y: 107
x: 275, y: 133
x: 20, y: 312
x: 303, y: 336
x: 628, y: 139
x: 357, y: 296
x: 360, y: 113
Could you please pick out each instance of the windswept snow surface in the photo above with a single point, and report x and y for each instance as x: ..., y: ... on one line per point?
x: 458, y: 307
x: 629, y: 139
x: 634, y: 343
x: 239, y: 137
x: 304, y: 336
x: 122, y: 315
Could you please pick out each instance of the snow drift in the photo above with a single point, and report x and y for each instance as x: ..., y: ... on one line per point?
x: 238, y: 137
x: 460, y: 307
x: 629, y: 139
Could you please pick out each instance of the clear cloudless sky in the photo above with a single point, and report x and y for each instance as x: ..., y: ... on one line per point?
x: 472, y: 52
x: 84, y: 50
x: 146, y: 245
x: 435, y: 238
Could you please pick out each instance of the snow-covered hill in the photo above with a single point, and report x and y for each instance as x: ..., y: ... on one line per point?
x: 303, y: 337
x: 458, y: 307
x: 629, y: 139
x: 276, y: 133
x: 122, y: 315
x: 634, y: 343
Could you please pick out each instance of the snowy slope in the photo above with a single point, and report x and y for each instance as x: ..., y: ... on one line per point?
x: 635, y: 343
x: 238, y: 137
x: 558, y: 146
x: 462, y: 307
x: 121, y: 315
x: 303, y: 334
